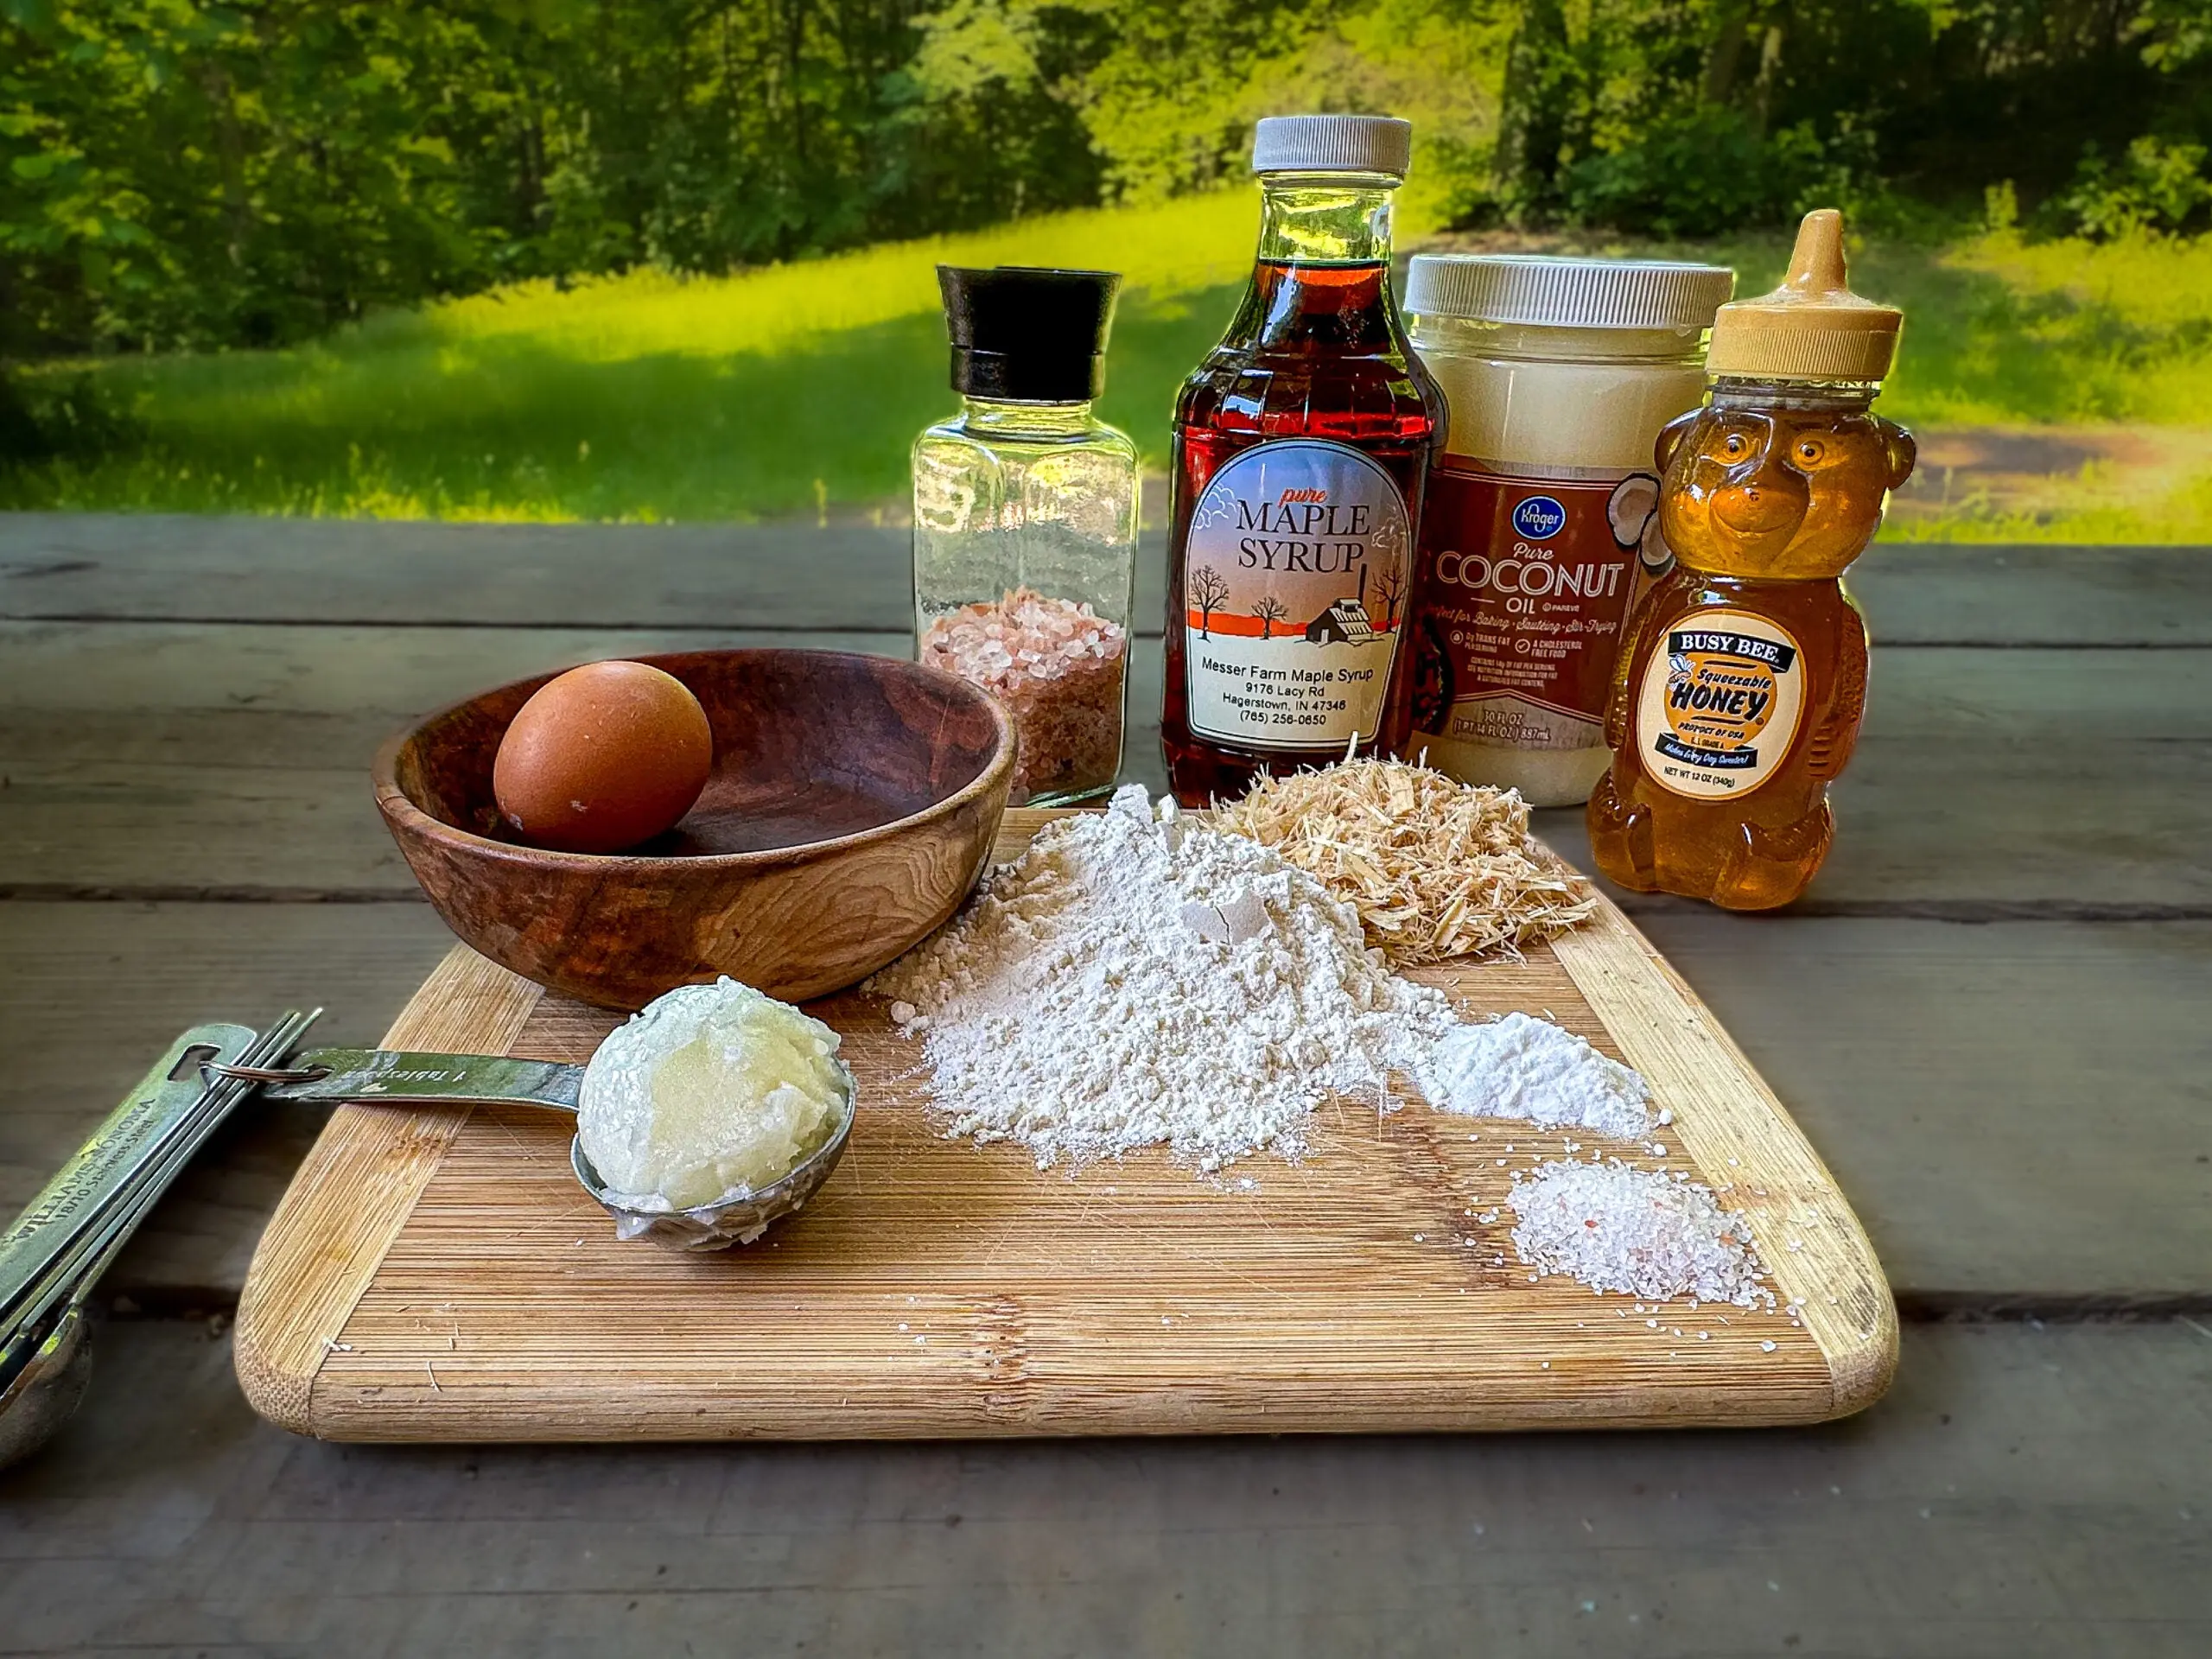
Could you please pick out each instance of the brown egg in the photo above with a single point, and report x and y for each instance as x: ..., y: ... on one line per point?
x: 602, y: 757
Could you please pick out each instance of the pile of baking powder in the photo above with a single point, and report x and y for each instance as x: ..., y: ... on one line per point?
x: 1134, y: 979
x: 1531, y: 1069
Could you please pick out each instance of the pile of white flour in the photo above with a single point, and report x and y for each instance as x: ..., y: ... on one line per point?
x: 1135, y: 979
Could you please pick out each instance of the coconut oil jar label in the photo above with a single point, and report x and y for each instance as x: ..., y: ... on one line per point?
x: 1541, y: 524
x: 1527, y: 580
x: 1297, y: 571
x: 1719, y: 708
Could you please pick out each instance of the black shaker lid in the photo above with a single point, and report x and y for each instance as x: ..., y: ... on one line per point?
x: 1023, y: 333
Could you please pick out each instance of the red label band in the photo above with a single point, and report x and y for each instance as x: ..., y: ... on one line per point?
x: 1525, y: 585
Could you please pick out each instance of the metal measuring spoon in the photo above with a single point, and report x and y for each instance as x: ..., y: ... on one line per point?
x: 385, y: 1077
x: 53, y: 1254
x: 48, y: 1387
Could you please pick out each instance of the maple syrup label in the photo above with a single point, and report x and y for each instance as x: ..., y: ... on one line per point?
x: 1295, y: 573
x: 1720, y: 702
x: 1527, y: 580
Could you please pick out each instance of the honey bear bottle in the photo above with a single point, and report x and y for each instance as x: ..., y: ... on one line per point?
x: 1742, y: 677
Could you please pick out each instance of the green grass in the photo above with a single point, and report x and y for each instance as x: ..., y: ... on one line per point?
x: 2002, y: 333
x: 798, y: 388
x: 642, y: 398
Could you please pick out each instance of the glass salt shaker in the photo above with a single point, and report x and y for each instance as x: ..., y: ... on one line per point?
x: 1026, y: 523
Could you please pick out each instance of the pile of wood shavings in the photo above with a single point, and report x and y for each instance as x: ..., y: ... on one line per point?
x: 1435, y: 868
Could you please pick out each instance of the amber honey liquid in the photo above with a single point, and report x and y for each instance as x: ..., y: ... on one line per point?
x: 1660, y: 822
x: 1739, y: 687
x: 1302, y: 447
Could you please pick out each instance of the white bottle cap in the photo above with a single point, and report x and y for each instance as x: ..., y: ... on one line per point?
x: 1333, y: 144
x: 1538, y: 288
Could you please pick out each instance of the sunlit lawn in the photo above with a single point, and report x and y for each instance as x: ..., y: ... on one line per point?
x: 798, y: 388
x: 642, y: 398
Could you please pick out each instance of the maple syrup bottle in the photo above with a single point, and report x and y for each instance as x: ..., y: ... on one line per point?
x: 1302, y: 445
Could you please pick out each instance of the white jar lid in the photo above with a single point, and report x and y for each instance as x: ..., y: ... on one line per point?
x: 1333, y: 144
x: 1541, y: 289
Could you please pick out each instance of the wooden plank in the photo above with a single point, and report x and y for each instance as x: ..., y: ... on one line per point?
x: 2016, y: 1104
x: 1960, y: 745
x: 2022, y: 1493
x: 792, y: 575
x: 189, y: 762
x: 333, y: 570
x: 1919, y: 594
x: 359, y: 1182
x: 1370, y: 1287
x: 249, y: 746
x: 90, y: 993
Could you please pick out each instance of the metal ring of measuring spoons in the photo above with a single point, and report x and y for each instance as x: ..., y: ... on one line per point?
x: 53, y: 1254
x: 212, y: 1069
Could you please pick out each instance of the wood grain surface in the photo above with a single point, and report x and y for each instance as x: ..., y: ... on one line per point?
x: 2024, y: 1492
x: 935, y: 1288
x: 357, y: 1187
x: 317, y: 573
x: 2004, y: 1069
x: 150, y: 766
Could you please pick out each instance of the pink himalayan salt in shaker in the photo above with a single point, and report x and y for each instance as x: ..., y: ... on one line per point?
x: 1026, y: 524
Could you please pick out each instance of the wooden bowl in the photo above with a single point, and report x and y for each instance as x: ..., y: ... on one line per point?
x: 852, y: 806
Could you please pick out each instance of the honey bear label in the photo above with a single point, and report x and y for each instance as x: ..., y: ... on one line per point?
x: 1299, y: 557
x: 1719, y: 705
x: 1527, y: 578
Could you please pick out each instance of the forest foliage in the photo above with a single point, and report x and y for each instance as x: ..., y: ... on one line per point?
x: 179, y: 173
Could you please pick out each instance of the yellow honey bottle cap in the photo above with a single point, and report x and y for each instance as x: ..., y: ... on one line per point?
x: 1813, y: 327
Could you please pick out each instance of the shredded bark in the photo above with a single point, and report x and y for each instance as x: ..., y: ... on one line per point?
x: 1436, y: 868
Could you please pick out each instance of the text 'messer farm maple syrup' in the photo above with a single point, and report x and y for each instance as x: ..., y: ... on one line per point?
x: 1738, y: 689
x: 1302, y: 447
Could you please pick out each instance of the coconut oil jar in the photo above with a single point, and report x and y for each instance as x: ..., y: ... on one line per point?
x: 1540, y: 529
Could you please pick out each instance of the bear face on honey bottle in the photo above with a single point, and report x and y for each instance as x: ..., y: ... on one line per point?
x: 1790, y: 492
x: 1740, y: 684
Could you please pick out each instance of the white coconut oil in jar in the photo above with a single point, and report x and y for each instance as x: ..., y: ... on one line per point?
x: 1540, y: 529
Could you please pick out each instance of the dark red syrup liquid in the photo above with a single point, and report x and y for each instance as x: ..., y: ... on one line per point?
x: 1314, y: 352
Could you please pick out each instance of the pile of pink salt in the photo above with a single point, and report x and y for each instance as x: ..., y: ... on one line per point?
x: 1058, y: 667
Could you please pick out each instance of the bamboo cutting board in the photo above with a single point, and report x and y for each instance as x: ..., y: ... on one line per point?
x: 438, y: 1276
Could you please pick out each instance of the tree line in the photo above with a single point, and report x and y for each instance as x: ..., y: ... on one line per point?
x: 182, y: 173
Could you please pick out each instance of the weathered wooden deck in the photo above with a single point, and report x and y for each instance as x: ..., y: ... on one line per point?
x: 1990, y: 1016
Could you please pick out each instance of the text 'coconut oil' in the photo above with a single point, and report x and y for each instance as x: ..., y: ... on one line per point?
x: 1541, y: 528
